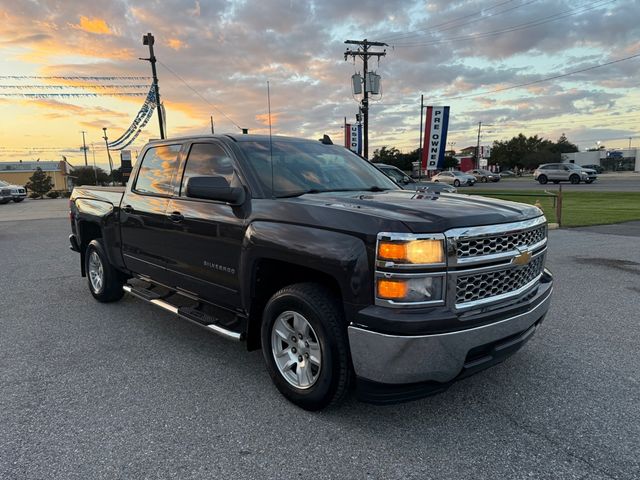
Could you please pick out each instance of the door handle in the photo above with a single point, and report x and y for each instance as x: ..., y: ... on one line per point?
x: 127, y: 209
x: 176, y: 217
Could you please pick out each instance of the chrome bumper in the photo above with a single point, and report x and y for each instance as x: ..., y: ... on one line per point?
x: 393, y: 359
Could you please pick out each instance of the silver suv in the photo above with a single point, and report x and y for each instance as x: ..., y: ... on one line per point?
x: 563, y: 172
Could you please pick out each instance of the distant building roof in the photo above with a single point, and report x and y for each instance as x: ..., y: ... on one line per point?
x: 31, y: 166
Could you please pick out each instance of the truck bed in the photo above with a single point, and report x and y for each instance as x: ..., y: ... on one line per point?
x: 112, y: 195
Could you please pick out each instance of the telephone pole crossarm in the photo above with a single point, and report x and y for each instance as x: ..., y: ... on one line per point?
x: 364, y: 53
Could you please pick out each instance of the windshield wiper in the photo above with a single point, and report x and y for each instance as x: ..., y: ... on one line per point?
x: 374, y: 188
x: 300, y: 193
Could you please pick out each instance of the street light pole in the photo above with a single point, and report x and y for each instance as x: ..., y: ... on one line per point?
x: 106, y: 142
x: 84, y: 148
x: 149, y: 40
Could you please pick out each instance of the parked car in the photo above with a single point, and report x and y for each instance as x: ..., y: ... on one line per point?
x: 508, y: 173
x: 598, y: 168
x: 320, y: 260
x: 408, y: 183
x: 563, y: 172
x: 455, y: 178
x: 17, y: 192
x: 5, y: 195
x: 484, y: 176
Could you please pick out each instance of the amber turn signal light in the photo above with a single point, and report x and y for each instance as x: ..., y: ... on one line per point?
x: 392, y: 289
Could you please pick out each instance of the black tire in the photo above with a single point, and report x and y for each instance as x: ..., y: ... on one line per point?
x: 18, y: 200
x: 574, y: 179
x: 483, y: 179
x: 110, y: 289
x: 320, y: 309
x: 542, y: 179
x: 456, y: 183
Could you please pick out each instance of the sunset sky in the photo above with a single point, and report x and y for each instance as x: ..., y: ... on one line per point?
x: 228, y: 50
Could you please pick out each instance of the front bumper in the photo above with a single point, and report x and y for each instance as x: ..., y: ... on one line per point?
x: 400, y: 367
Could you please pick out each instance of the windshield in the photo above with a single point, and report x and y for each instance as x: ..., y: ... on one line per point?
x: 459, y: 174
x: 3, y: 183
x: 307, y: 167
x: 396, y: 175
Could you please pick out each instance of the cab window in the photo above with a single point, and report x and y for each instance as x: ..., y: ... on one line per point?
x: 208, y: 160
x: 156, y: 172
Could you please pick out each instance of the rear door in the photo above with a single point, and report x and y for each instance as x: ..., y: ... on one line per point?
x: 143, y: 210
x: 204, y: 237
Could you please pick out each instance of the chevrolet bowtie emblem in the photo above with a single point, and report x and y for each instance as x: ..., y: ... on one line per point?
x: 523, y: 258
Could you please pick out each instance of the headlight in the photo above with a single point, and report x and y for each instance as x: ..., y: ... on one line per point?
x: 413, y: 290
x: 417, y: 252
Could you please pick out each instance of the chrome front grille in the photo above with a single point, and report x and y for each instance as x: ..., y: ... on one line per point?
x: 489, y: 245
x: 493, y: 263
x: 486, y: 285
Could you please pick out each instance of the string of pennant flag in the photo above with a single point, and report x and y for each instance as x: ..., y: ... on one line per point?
x: 71, y: 77
x: 64, y: 87
x: 71, y: 95
x: 139, y: 122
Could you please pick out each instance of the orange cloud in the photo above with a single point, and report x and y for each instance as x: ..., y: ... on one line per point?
x: 94, y: 25
x: 176, y: 43
x: 263, y: 118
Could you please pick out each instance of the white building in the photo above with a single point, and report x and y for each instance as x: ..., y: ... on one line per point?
x: 623, y: 159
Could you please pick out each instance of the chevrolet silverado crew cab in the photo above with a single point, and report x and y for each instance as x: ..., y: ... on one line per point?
x: 309, y: 252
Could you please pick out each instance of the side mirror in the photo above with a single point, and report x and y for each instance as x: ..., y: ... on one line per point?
x: 215, y: 188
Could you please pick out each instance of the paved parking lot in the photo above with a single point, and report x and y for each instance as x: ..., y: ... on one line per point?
x: 127, y: 391
x: 608, y: 182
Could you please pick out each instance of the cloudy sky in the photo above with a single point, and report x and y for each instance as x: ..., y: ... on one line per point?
x: 451, y: 51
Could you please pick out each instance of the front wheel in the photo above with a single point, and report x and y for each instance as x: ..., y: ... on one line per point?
x: 575, y: 179
x: 456, y: 183
x: 483, y: 179
x: 105, y: 282
x: 305, y: 347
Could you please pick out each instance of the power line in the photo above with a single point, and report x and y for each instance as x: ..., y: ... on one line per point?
x: 534, y: 82
x: 62, y: 87
x: 71, y: 77
x: 199, y: 95
x: 481, y: 18
x: 514, y: 28
x: 392, y: 38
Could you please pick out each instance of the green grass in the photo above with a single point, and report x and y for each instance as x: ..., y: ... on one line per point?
x: 580, y: 208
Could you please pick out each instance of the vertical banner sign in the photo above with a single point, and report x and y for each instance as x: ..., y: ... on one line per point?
x: 435, y: 138
x: 353, y: 138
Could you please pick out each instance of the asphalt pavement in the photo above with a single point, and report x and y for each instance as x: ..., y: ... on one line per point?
x: 124, y: 390
x: 608, y: 182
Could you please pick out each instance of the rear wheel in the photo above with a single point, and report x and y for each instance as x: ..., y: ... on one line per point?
x: 305, y: 347
x: 575, y: 179
x: 542, y: 179
x: 456, y: 183
x: 105, y: 282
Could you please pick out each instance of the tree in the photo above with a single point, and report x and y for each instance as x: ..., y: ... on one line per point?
x: 393, y: 156
x: 87, y: 176
x: 39, y: 183
x: 116, y: 176
x: 449, y: 162
x: 529, y: 152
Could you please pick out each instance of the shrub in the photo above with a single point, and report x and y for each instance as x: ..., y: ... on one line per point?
x: 53, y: 194
x: 34, y: 195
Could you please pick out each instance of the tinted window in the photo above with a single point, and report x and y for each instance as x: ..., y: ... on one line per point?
x: 207, y: 160
x: 293, y: 167
x: 158, y: 167
x: 394, y: 174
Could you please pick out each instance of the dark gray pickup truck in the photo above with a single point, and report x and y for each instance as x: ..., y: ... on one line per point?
x: 309, y: 252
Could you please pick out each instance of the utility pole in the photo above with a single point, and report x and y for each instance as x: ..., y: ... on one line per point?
x: 364, y: 53
x: 149, y: 40
x: 84, y: 148
x: 420, y: 146
x: 477, y: 162
x: 95, y: 170
x: 106, y: 142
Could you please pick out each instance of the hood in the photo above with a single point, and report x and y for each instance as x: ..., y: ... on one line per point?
x: 588, y: 170
x: 424, y: 212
